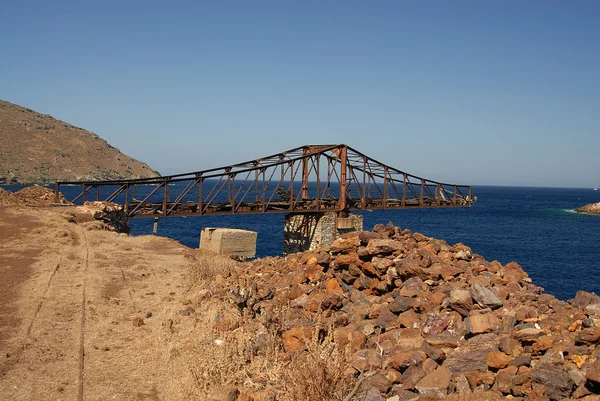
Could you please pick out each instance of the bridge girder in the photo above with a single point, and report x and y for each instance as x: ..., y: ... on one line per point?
x: 310, y: 178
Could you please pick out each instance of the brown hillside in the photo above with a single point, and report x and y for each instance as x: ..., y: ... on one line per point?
x: 37, y: 148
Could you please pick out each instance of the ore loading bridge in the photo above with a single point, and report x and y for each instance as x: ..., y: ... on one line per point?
x: 307, y: 179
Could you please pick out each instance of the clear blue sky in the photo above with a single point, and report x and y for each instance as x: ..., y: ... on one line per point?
x: 474, y: 92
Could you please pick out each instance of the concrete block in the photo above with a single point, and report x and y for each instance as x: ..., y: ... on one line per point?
x: 229, y: 241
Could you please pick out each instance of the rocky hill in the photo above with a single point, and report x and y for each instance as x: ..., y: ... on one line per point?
x: 37, y: 148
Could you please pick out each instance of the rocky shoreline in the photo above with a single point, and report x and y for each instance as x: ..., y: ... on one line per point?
x: 593, y: 208
x: 419, y: 319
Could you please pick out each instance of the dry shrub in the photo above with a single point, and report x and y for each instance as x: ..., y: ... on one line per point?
x: 251, y: 356
x: 245, y: 357
x: 318, y: 374
x: 218, y: 362
x: 209, y: 265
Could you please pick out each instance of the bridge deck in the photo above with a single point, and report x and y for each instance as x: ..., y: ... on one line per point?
x: 154, y: 209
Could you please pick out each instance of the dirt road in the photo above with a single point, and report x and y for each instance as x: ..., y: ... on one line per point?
x: 87, y: 314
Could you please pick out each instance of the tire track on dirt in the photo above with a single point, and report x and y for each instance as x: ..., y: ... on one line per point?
x: 19, y: 351
x: 41, y: 303
x: 125, y: 282
x: 33, y: 319
x: 80, y: 391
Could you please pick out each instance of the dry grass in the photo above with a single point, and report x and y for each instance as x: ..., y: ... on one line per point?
x: 224, y: 349
x: 231, y: 347
x: 209, y: 265
x: 319, y: 373
x: 247, y: 356
x: 254, y: 360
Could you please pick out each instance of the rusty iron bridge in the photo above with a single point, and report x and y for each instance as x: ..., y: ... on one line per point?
x: 312, y: 178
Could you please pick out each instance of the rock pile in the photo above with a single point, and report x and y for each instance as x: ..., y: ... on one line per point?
x: 38, y: 196
x: 30, y: 196
x: 7, y: 197
x: 422, y: 320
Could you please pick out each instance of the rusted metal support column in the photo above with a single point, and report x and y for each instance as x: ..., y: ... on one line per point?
x: 256, y: 175
x: 363, y: 199
x: 232, y: 192
x: 292, y: 176
x: 165, y: 197
x: 56, y: 192
x: 126, y: 197
x: 264, y: 190
x: 404, y: 191
x: 385, y: 187
x: 305, y: 173
x: 200, y: 205
x: 343, y: 172
x: 318, y: 189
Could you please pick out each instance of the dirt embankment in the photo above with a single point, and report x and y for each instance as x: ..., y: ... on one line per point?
x: 386, y: 315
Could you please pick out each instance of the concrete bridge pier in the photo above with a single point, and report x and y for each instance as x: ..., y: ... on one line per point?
x: 309, y: 231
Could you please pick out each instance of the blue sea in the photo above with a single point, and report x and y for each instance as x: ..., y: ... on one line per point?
x: 535, y: 227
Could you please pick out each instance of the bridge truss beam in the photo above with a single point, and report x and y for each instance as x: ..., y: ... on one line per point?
x: 311, y: 178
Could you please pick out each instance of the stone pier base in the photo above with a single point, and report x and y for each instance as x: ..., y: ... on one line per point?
x: 309, y: 231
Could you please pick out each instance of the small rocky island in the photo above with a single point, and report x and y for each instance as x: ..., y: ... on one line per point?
x: 592, y: 208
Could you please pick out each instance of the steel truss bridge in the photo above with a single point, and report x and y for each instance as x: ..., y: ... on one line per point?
x: 312, y: 178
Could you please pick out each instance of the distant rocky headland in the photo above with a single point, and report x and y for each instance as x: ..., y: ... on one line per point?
x: 593, y: 208
x: 37, y: 148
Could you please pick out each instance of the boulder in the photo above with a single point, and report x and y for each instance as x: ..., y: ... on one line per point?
x: 485, y: 297
x: 528, y: 334
x: 557, y: 381
x: 344, y: 245
x: 497, y: 359
x: 435, y: 382
x: 472, y: 355
x: 366, y: 359
x: 461, y: 301
x: 513, y: 272
x: 383, y: 246
x: 295, y: 339
x: 588, y: 336
x: 401, y: 359
x: 584, y: 298
x: 401, y: 304
x: 481, y: 323
x: 593, y: 374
